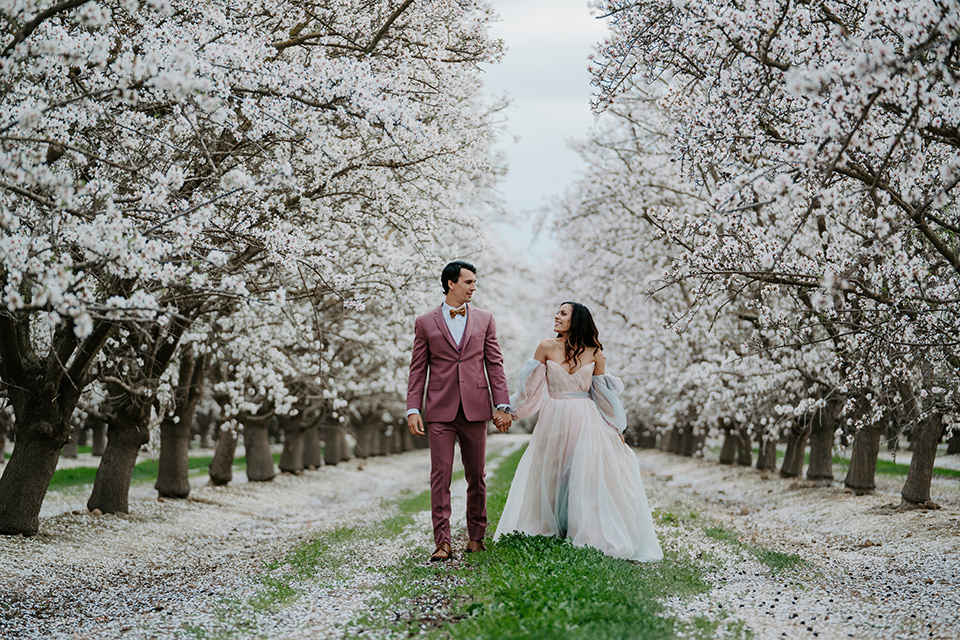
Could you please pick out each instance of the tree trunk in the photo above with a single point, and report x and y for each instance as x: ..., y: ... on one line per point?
x: 665, y: 436
x: 700, y: 442
x: 26, y: 477
x: 377, y: 440
x: 676, y: 439
x: 43, y: 392
x: 744, y: 448
x: 792, y: 466
x: 207, y: 424
x: 731, y: 441
x: 98, y: 437
x: 646, y: 437
x: 3, y: 439
x: 386, y: 439
x: 41, y: 429
x: 820, y: 471
x: 861, y: 478
x: 767, y: 457
x: 312, y: 456
x: 221, y: 467
x: 173, y: 469
x: 688, y: 441
x: 345, y: 453
x: 409, y: 443
x: 361, y: 435
x: 953, y: 442
x: 291, y: 460
x: 256, y: 441
x: 397, y: 438
x: 893, y: 434
x: 924, y: 440
x: 126, y: 433
x: 70, y: 449
x: 331, y: 444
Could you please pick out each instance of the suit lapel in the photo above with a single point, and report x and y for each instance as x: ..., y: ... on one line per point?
x: 466, y: 328
x: 444, y: 329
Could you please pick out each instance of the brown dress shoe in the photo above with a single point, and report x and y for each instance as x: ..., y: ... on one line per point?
x: 443, y: 552
x: 476, y: 545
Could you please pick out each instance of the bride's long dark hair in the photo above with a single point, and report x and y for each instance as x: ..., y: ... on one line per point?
x: 582, y: 334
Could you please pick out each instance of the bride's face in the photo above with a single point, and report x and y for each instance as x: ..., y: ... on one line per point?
x: 561, y: 320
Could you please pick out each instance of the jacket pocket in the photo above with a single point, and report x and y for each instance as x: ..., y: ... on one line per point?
x: 435, y: 384
x: 482, y: 383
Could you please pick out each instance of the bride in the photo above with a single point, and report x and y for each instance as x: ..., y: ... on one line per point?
x: 577, y: 478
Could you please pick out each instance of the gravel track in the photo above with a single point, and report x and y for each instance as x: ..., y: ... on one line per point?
x: 168, y: 565
x: 870, y: 572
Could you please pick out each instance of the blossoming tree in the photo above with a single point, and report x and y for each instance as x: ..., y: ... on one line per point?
x: 814, y: 190
x: 164, y: 161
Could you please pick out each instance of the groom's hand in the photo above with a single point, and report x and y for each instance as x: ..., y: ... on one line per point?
x: 503, y: 420
x: 415, y: 424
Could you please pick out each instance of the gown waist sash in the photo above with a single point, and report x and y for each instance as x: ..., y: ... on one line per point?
x: 569, y: 395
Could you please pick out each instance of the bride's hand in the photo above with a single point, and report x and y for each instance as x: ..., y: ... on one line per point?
x: 622, y: 439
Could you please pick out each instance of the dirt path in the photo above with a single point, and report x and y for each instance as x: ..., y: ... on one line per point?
x: 869, y: 573
x: 170, y: 563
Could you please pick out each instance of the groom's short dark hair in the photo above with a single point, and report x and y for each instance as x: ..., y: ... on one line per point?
x: 452, y: 272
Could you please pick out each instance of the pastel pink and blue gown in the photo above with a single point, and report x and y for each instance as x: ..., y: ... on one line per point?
x: 577, y: 479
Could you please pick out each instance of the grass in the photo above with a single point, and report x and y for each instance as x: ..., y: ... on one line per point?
x: 895, y: 468
x: 775, y: 560
x: 534, y: 587
x: 145, y: 471
x: 538, y: 587
x: 885, y: 467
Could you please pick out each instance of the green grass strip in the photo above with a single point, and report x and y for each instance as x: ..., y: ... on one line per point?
x: 533, y: 587
x: 895, y: 468
x: 538, y: 587
x: 885, y: 467
x: 145, y: 471
x: 775, y: 560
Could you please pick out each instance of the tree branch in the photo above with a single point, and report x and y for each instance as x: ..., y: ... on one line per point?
x: 31, y: 26
x: 386, y: 27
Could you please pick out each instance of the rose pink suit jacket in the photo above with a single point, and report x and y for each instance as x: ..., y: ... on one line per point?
x: 458, y: 375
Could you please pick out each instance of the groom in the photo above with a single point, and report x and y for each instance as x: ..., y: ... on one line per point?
x: 457, y: 344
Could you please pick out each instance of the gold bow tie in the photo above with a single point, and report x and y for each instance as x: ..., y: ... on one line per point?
x: 462, y: 311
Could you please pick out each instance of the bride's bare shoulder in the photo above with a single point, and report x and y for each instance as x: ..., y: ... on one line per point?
x: 548, y: 350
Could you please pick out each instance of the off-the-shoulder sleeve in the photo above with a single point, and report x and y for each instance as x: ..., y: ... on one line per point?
x: 528, y: 398
x: 604, y: 391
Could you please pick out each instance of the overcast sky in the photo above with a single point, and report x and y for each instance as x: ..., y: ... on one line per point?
x: 544, y: 72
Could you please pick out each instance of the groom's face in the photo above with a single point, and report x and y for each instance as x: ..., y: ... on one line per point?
x: 462, y: 290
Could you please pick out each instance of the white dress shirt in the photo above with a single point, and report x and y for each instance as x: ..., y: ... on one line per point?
x: 457, y: 324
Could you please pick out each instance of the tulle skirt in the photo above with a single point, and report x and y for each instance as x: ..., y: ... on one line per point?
x: 579, y: 481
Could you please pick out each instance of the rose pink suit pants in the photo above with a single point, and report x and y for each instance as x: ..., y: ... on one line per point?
x: 462, y: 383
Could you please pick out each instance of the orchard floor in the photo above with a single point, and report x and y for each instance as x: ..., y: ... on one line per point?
x: 171, y: 569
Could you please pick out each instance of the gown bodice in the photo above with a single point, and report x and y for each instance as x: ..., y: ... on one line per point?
x: 560, y: 382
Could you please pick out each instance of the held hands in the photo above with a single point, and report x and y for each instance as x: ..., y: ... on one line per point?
x: 415, y: 424
x: 503, y: 420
